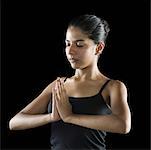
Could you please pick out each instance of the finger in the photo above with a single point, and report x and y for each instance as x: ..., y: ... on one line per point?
x: 57, y: 90
x: 56, y: 97
x: 62, y: 80
x: 58, y: 78
x: 53, y: 91
x: 60, y: 90
x: 56, y: 100
x: 63, y: 90
x: 58, y: 86
x: 53, y: 100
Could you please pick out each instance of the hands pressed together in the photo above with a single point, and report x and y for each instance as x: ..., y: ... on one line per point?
x: 61, y: 107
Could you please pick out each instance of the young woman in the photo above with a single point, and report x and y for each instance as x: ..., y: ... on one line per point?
x: 84, y: 107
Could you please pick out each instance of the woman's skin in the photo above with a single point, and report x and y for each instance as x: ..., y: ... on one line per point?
x: 82, y: 54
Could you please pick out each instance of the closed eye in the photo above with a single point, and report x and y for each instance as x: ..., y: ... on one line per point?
x: 79, y: 44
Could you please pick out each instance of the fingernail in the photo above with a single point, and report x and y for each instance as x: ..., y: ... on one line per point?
x: 58, y: 78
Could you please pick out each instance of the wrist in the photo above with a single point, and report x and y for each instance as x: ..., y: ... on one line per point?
x: 49, y: 118
x: 69, y: 119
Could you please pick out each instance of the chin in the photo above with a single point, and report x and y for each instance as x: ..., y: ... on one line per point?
x: 76, y: 66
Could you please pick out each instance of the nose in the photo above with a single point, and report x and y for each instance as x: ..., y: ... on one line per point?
x: 71, y: 50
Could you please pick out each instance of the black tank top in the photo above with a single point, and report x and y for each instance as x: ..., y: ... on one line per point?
x: 65, y: 136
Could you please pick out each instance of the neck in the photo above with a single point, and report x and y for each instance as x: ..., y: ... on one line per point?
x: 88, y: 73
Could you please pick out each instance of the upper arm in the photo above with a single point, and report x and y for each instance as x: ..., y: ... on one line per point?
x: 118, y: 101
x: 40, y: 103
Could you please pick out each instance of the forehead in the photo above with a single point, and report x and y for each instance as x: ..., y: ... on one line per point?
x: 74, y: 33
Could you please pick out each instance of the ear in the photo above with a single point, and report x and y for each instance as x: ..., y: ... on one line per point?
x: 99, y: 48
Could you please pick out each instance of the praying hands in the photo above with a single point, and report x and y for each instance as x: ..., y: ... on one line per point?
x: 61, y: 107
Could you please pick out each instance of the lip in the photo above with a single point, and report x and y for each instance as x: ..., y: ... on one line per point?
x: 72, y: 60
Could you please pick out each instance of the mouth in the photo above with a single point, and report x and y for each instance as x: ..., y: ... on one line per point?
x: 73, y: 60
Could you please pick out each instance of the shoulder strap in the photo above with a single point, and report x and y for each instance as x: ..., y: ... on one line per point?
x: 65, y: 79
x: 104, y: 85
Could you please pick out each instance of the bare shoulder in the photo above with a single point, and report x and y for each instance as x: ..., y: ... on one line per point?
x: 117, y: 84
x: 117, y: 88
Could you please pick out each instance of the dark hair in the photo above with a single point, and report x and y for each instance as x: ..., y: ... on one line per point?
x: 96, y: 28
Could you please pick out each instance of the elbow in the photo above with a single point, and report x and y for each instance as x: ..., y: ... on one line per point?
x: 14, y: 124
x: 126, y: 130
x: 125, y: 127
x: 11, y: 124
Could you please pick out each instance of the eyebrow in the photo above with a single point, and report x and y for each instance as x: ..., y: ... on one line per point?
x: 80, y: 40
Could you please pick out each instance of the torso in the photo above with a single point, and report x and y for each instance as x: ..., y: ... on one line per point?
x: 85, y: 98
x: 87, y: 88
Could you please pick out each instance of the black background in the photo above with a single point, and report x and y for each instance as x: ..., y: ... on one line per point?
x: 33, y: 56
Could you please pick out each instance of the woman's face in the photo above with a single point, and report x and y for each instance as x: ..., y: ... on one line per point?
x: 80, y: 50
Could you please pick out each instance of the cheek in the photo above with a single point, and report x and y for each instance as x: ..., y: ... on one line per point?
x: 88, y: 53
x: 66, y: 52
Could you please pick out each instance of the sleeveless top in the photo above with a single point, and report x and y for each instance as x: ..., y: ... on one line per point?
x: 66, y: 136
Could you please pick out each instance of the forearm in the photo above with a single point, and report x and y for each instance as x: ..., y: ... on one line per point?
x: 25, y: 121
x: 108, y: 123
